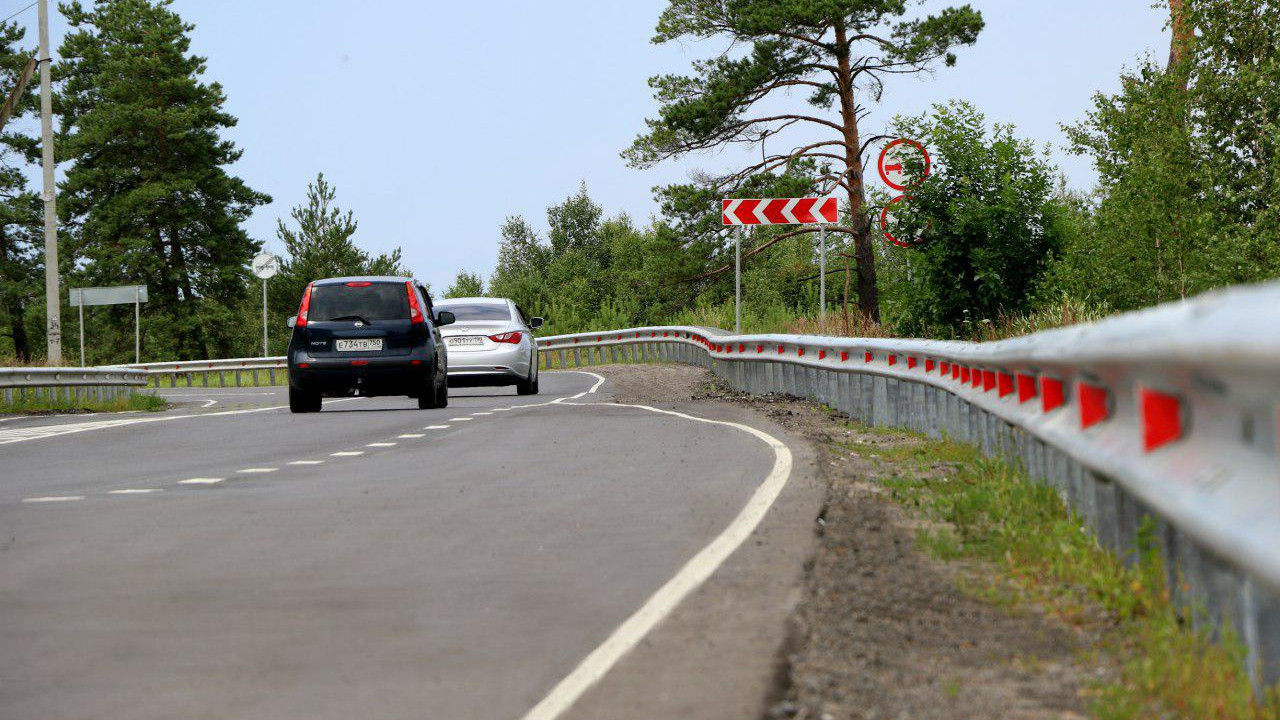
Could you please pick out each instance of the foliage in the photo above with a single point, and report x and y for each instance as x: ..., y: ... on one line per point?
x: 147, y: 199
x: 840, y: 51
x: 988, y: 218
x: 1189, y: 173
x: 466, y: 284
x: 43, y: 405
x: 21, y: 243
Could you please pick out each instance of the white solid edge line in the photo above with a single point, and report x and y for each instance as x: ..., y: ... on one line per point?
x: 59, y: 498
x: 689, y: 578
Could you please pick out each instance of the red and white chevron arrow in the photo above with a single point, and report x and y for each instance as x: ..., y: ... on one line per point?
x: 781, y: 211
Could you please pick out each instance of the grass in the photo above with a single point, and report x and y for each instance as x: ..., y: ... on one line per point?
x: 38, y: 404
x: 988, y: 511
x: 248, y: 378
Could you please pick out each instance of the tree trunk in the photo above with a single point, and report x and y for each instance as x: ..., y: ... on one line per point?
x: 18, y: 329
x: 1180, y: 43
x: 864, y: 253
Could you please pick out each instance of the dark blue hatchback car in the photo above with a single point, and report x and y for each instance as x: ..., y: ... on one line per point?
x: 367, y: 336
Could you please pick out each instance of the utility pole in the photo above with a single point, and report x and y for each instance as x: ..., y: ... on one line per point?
x: 52, y: 294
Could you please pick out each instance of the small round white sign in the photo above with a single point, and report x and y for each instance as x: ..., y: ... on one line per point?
x: 266, y: 265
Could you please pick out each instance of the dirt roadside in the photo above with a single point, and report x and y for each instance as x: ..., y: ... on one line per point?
x: 881, y: 629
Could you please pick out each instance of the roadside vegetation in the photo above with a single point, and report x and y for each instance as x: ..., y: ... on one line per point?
x: 988, y: 511
x: 40, y: 405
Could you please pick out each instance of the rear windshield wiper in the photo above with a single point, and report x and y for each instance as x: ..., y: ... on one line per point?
x: 349, y: 317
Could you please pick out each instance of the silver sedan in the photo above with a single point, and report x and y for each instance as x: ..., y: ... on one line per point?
x: 491, y: 343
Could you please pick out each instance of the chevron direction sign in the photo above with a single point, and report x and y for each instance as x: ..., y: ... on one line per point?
x: 781, y: 211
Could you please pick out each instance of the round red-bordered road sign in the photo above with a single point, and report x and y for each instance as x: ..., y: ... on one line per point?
x: 884, y: 226
x: 896, y: 169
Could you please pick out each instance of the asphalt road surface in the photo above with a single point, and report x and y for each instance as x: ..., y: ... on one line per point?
x: 225, y: 559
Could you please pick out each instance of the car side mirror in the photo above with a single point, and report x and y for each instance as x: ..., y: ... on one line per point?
x: 535, y: 322
x: 444, y: 317
x: 291, y: 321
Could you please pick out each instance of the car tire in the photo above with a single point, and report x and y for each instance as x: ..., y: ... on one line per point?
x: 528, y: 386
x: 437, y: 396
x: 301, y: 401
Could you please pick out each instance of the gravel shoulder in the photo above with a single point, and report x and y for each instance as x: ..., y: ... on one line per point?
x: 876, y: 629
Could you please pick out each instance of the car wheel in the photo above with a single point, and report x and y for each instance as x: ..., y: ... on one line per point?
x: 436, y: 396
x: 301, y: 401
x: 528, y: 386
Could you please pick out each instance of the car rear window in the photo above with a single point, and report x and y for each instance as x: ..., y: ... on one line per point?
x: 475, y: 312
x: 359, y: 301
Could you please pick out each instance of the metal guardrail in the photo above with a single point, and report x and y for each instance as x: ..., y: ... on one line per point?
x: 238, y: 369
x: 69, y: 384
x: 1168, y: 417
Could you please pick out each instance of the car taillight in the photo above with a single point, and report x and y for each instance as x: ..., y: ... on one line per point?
x: 305, y: 307
x: 415, y: 312
x: 507, y: 337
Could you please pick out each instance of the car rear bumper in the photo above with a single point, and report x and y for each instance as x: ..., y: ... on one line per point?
x: 402, y: 375
x: 505, y: 363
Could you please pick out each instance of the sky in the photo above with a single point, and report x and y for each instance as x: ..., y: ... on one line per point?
x: 435, y: 121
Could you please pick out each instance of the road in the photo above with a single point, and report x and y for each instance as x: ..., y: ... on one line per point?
x: 225, y: 559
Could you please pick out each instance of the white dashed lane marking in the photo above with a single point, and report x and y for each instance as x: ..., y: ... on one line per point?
x: 348, y: 453
x: 49, y: 499
x: 134, y: 491
x: 482, y: 413
x: 381, y: 444
x: 436, y: 427
x: 411, y: 436
x: 458, y: 419
x: 201, y: 481
x: 254, y: 471
x: 307, y: 462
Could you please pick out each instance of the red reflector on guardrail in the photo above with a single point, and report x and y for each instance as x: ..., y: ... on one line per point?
x: 822, y: 354
x: 759, y: 348
x: 946, y: 368
x: 1093, y: 404
x: 1051, y: 392
x: 1161, y: 418
x: 893, y: 359
x: 911, y: 362
x: 868, y: 357
x: 1026, y: 387
x: 985, y: 378
x: 929, y: 365
x: 800, y: 352
x: 844, y: 356
x: 1004, y: 381
x: 964, y: 375
x: 779, y: 349
x: 742, y: 348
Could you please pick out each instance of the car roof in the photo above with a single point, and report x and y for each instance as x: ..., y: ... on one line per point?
x: 363, y: 278
x: 475, y: 300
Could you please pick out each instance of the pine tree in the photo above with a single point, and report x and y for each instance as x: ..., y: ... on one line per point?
x: 842, y: 52
x: 323, y: 245
x: 21, y: 263
x: 148, y: 194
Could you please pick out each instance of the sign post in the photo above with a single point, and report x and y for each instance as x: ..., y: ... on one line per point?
x: 777, y: 211
x: 117, y: 295
x: 265, y: 266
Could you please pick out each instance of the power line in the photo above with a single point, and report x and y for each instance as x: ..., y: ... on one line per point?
x: 19, y: 12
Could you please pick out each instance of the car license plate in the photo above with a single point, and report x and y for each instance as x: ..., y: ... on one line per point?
x: 358, y: 345
x: 464, y: 341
